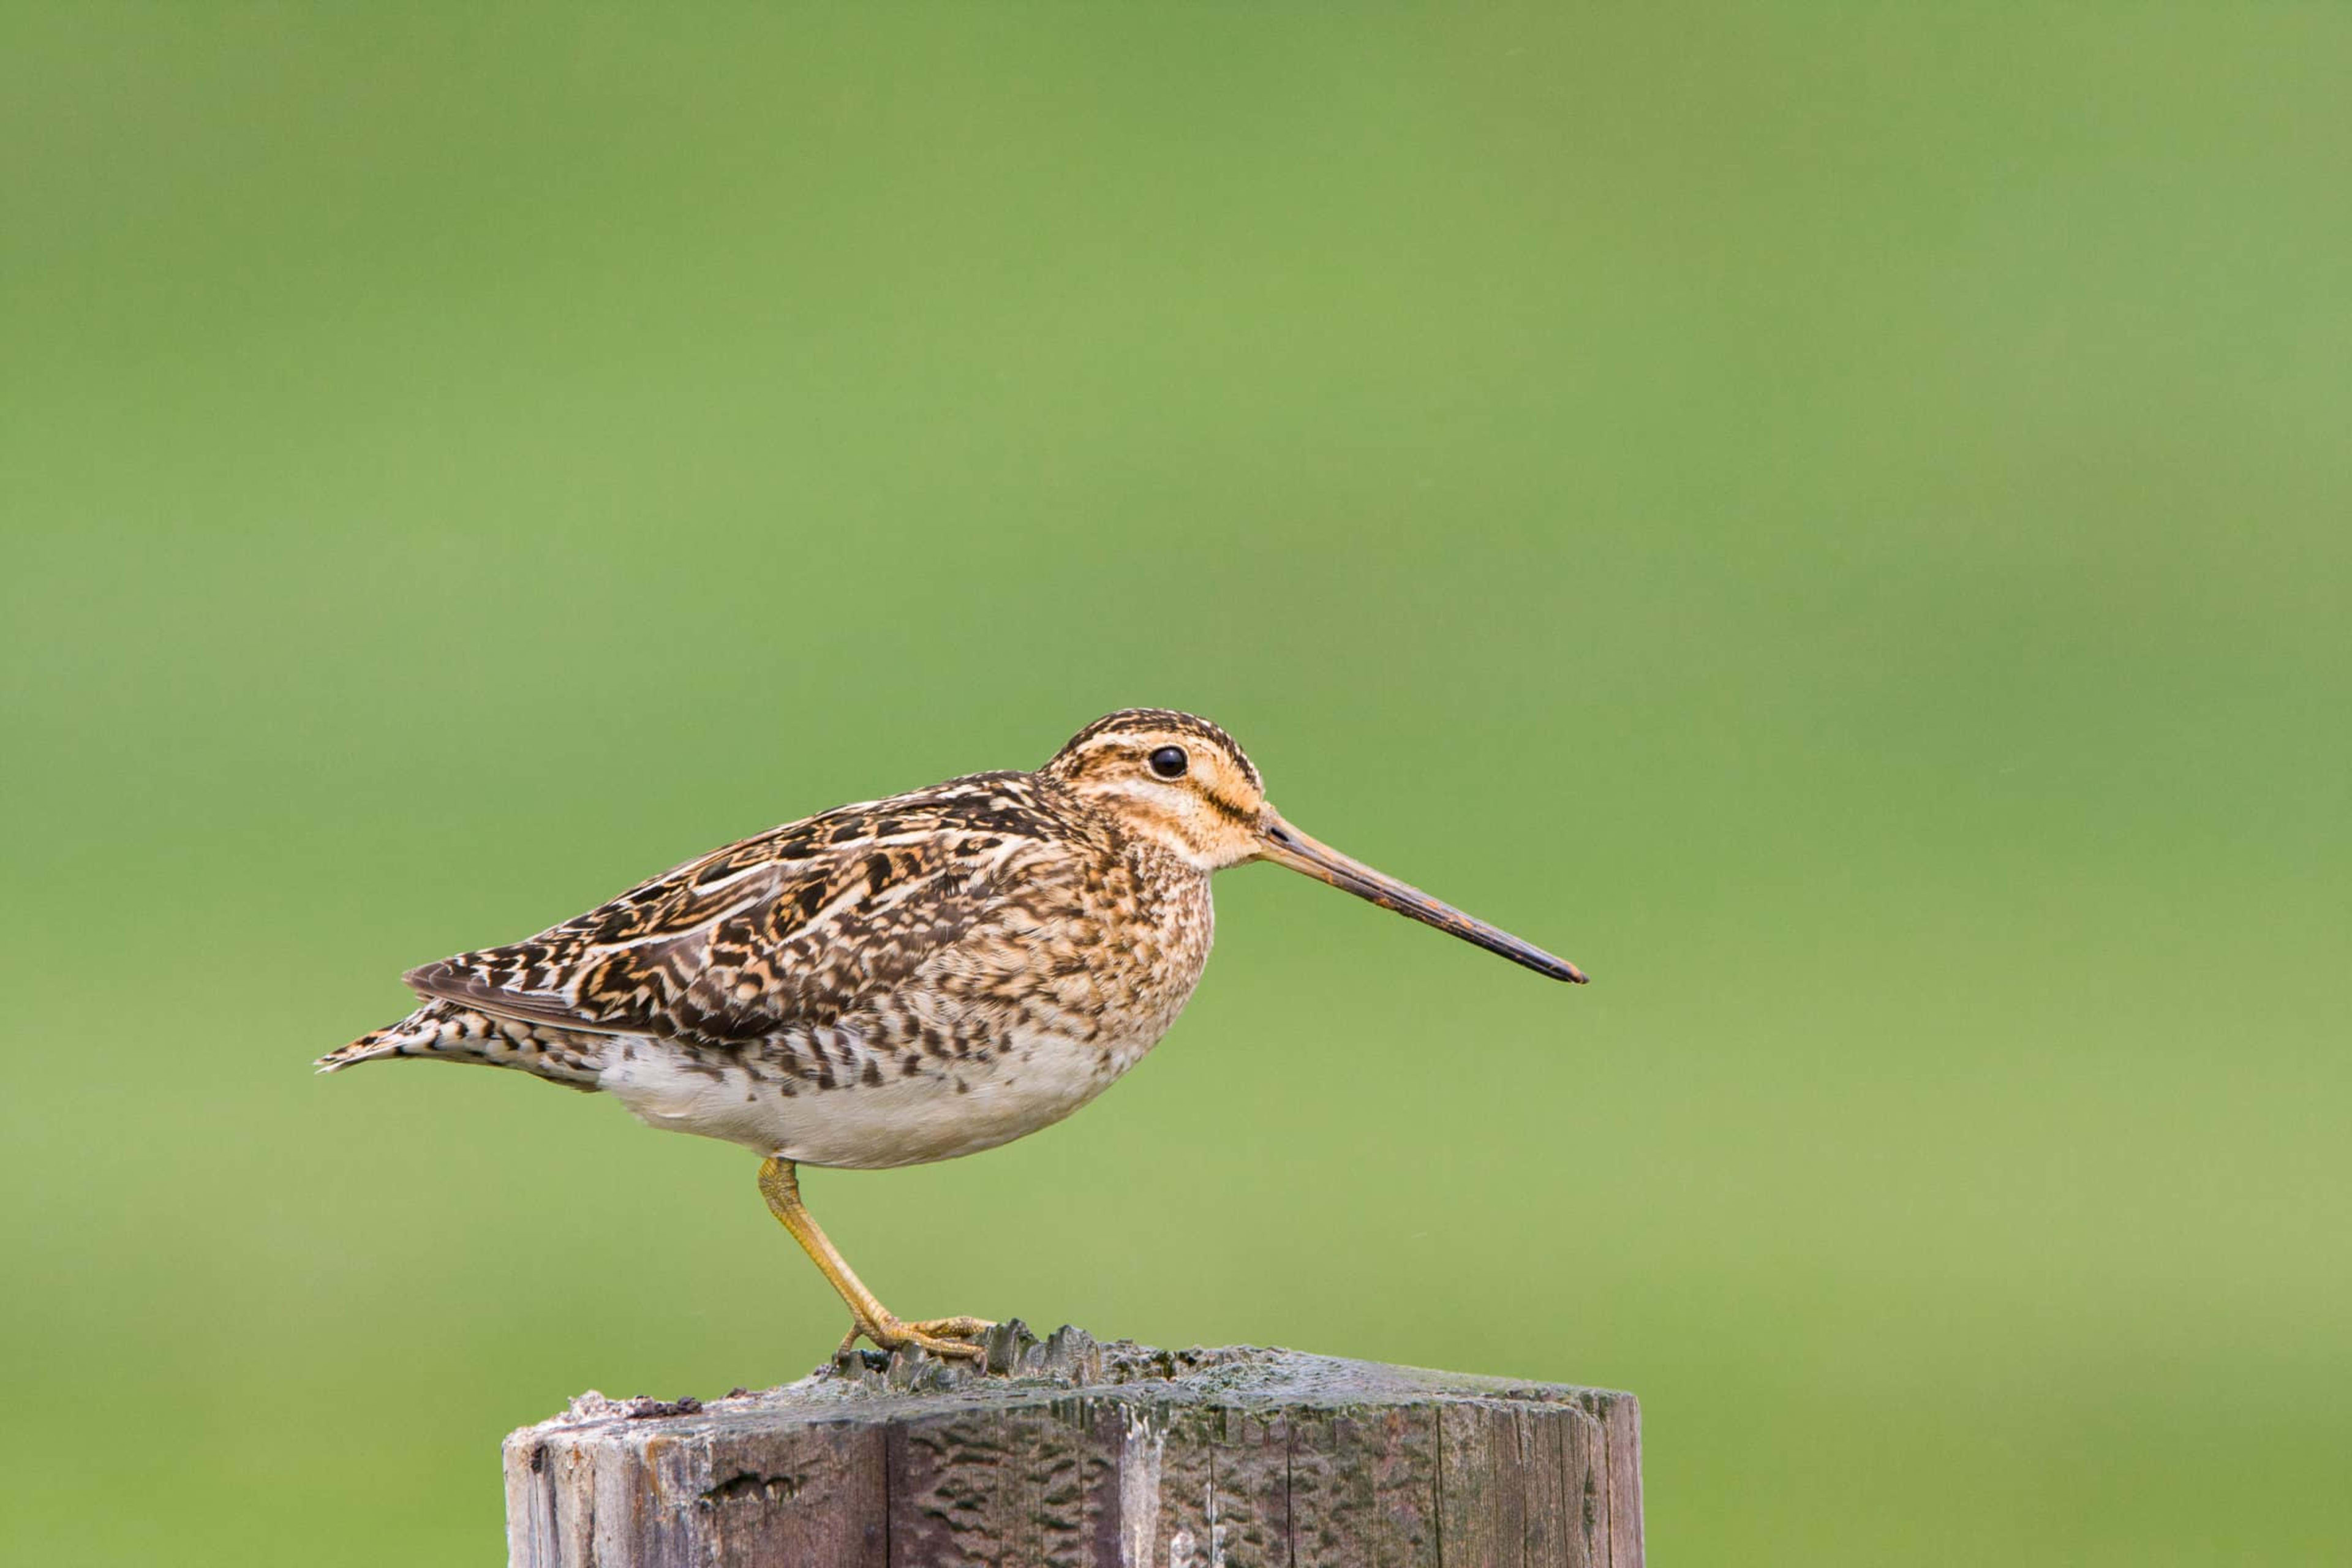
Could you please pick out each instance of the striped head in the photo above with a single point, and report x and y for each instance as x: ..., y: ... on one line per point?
x: 1182, y: 784
x: 1170, y: 779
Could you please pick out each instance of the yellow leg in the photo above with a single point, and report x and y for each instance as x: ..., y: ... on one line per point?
x: 940, y: 1336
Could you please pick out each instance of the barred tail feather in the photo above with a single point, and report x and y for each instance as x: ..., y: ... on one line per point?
x: 451, y: 1033
x: 412, y: 1036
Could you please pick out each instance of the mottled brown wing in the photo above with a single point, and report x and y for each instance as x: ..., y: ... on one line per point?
x: 792, y: 928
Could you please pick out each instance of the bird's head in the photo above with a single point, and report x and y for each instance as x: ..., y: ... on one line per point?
x: 1182, y: 784
x: 1170, y: 779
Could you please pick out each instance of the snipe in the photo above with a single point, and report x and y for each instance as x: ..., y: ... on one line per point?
x: 904, y: 980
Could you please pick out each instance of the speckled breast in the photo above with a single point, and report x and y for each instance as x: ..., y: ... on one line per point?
x: 1007, y: 1030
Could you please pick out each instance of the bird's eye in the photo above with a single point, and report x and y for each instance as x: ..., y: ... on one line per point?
x: 1170, y: 761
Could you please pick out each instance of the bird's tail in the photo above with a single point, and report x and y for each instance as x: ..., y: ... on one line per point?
x: 451, y: 1033
x: 393, y: 1040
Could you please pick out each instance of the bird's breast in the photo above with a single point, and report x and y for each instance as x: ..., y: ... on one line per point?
x: 1013, y: 1030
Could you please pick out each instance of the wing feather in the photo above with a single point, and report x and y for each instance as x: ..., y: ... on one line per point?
x: 792, y: 928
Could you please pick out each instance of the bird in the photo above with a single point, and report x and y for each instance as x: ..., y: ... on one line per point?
x: 901, y: 981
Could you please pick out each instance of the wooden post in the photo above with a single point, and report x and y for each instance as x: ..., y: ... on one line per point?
x: 1068, y: 1452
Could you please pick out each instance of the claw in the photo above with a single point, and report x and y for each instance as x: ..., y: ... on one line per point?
x: 946, y: 1337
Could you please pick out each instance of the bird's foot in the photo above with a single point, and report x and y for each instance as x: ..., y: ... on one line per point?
x: 947, y: 1338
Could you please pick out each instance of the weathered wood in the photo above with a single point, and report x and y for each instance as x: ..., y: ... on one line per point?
x: 1068, y: 1452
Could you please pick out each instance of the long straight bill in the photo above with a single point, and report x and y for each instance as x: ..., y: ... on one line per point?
x: 1286, y: 846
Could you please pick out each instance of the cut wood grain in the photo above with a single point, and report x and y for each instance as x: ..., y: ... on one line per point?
x: 1069, y: 1452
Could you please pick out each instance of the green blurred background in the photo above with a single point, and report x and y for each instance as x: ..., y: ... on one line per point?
x: 1834, y: 517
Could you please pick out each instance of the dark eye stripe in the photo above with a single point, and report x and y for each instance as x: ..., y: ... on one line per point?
x: 1227, y: 809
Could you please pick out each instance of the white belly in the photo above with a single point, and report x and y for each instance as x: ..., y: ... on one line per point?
x: 953, y: 1108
